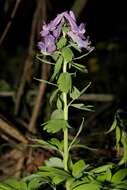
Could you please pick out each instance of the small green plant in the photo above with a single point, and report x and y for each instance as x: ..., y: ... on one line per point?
x: 119, y: 127
x: 60, y: 40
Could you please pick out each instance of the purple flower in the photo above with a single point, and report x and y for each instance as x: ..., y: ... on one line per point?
x: 48, y: 44
x: 81, y: 30
x: 57, y: 31
x: 41, y: 46
x: 77, y: 32
x: 71, y: 21
x: 56, y: 21
x: 72, y: 15
x: 52, y: 31
x: 52, y: 26
x: 45, y: 30
x: 80, y: 42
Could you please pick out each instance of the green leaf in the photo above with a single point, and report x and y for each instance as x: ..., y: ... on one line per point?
x: 58, y: 179
x: 75, y: 46
x: 23, y: 185
x: 54, y: 162
x: 45, y: 144
x: 82, y: 107
x: 35, y: 180
x: 34, y: 183
x: 57, y: 67
x: 122, y: 185
x: 55, y: 55
x: 70, y: 162
x: 106, y: 176
x: 113, y: 126
x: 51, y: 172
x: 84, y: 55
x: 75, y: 141
x: 65, y: 82
x: 59, y: 103
x: 79, y: 94
x: 67, y: 54
x: 14, y: 183
x: 78, y: 167
x: 88, y: 186
x: 4, y: 186
x: 85, y: 88
x: 62, y: 42
x: 118, y: 136
x: 80, y: 67
x: 57, y: 114
x: 44, y: 60
x: 45, y: 81
x: 102, y: 168
x: 55, y: 142
x: 53, y: 96
x: 124, y: 143
x: 119, y: 176
x: 55, y: 125
x: 30, y: 177
x: 75, y: 93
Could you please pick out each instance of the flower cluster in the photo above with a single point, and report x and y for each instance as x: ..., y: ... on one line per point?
x: 51, y: 32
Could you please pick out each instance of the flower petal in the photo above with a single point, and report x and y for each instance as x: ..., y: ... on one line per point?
x: 57, y: 31
x: 72, y: 23
x: 80, y: 42
x: 72, y: 15
x: 44, y: 33
x: 82, y: 28
x: 41, y: 46
x: 50, y: 43
x: 56, y: 21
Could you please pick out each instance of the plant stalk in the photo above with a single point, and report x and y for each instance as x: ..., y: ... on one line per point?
x: 66, y: 152
x: 65, y: 157
x: 65, y: 133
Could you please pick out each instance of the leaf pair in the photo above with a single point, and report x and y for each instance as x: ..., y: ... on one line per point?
x: 65, y: 82
x: 55, y: 174
x: 121, y: 139
x: 56, y: 123
x: 82, y: 107
x: 53, y: 144
x: 14, y: 184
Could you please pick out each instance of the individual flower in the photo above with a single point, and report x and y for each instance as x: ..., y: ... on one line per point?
x: 77, y: 32
x: 57, y: 31
x: 48, y: 45
x: 42, y: 46
x: 52, y: 26
x: 72, y: 15
x: 56, y: 21
x: 71, y: 20
x: 45, y: 30
x: 80, y: 42
x: 53, y: 30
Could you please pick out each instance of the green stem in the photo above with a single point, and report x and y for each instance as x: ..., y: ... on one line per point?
x: 65, y: 132
x: 66, y: 152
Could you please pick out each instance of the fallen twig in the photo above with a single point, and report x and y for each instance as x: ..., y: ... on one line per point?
x: 11, y: 131
x: 10, y: 21
x: 28, y: 64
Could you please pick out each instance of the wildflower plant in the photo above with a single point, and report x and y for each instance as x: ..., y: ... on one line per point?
x: 59, y: 40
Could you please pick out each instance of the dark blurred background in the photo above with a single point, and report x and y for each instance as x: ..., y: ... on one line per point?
x: 24, y: 103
